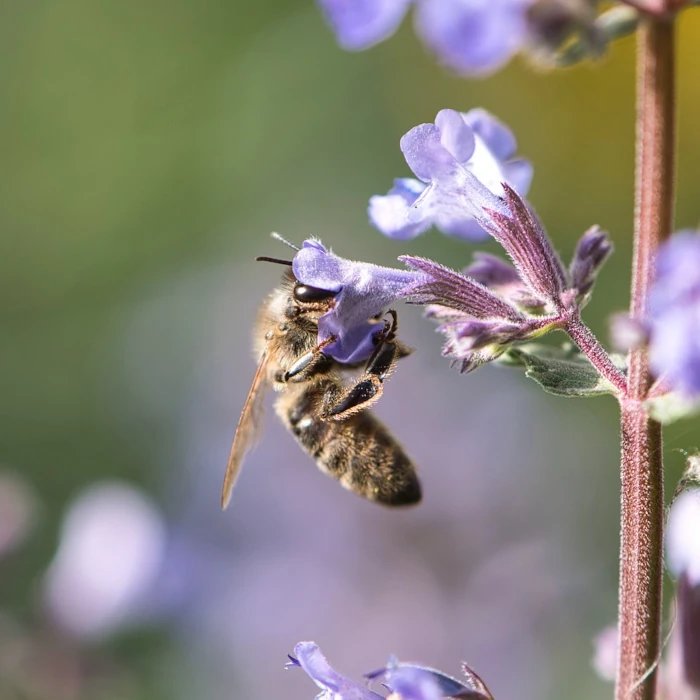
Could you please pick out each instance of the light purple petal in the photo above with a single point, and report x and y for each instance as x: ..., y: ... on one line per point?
x: 492, y: 271
x: 606, y: 645
x: 677, y: 272
x: 359, y: 24
x: 493, y: 132
x: 463, y: 229
x: 455, y: 198
x: 518, y: 174
x: 455, y: 134
x: 320, y: 671
x: 413, y: 683
x: 683, y: 537
x: 674, y: 320
x: 425, y: 154
x: 389, y: 213
x: 364, y: 292
x: 674, y: 351
x: 473, y: 36
x: 464, y: 177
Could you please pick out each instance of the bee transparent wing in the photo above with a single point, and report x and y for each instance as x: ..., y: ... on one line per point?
x: 247, y: 430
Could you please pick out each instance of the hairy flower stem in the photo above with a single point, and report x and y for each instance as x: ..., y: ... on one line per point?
x: 588, y: 344
x: 642, y: 466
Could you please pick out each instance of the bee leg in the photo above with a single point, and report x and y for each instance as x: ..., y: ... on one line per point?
x: 305, y: 365
x: 370, y: 385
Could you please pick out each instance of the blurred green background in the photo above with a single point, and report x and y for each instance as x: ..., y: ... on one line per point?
x: 148, y: 149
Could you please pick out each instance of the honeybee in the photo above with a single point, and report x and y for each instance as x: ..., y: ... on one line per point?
x: 325, y: 411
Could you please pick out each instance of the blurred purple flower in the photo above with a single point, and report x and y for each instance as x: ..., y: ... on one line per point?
x: 683, y: 556
x: 359, y: 24
x: 461, y: 161
x: 335, y: 686
x: 363, y: 293
x: 606, y: 647
x: 674, y: 314
x: 111, y: 547
x: 473, y: 37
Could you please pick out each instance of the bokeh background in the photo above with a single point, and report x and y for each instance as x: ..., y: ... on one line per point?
x: 148, y: 149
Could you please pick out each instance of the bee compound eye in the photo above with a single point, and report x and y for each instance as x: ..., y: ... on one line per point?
x: 304, y: 292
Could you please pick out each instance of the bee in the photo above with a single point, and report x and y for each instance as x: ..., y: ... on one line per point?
x: 325, y: 411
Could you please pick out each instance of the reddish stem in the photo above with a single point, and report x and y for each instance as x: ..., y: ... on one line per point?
x: 588, y: 344
x: 642, y: 466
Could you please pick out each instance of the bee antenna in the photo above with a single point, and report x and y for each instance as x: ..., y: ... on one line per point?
x: 264, y: 258
x: 277, y: 237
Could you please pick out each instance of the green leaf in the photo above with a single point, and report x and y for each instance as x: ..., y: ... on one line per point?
x: 671, y: 407
x: 562, y: 371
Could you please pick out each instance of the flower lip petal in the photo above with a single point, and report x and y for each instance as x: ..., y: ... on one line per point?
x: 315, y: 266
x: 495, y: 134
x: 389, y: 213
x: 455, y: 135
x: 424, y: 152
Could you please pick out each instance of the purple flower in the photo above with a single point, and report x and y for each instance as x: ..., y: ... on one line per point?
x: 111, y: 547
x: 461, y: 161
x: 335, y: 686
x: 473, y: 37
x: 683, y: 556
x: 363, y: 293
x: 606, y: 649
x: 674, y: 314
